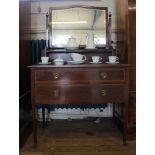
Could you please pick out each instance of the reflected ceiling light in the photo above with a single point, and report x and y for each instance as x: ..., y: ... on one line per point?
x: 72, y: 22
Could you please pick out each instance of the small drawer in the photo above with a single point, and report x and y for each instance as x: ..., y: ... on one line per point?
x: 80, y: 75
x: 79, y: 94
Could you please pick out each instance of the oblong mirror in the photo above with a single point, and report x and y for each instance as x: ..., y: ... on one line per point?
x: 78, y: 22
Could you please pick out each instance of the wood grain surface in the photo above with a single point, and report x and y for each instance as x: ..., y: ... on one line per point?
x: 79, y: 137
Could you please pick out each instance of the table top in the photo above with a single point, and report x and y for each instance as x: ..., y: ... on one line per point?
x: 78, y: 66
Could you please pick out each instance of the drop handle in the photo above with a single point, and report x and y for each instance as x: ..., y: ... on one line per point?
x: 103, y: 92
x: 56, y: 76
x: 104, y: 75
x: 56, y: 93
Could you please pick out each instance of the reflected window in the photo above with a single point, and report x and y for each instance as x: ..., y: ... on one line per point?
x: 60, y: 40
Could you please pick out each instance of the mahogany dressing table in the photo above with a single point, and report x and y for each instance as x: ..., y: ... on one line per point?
x: 85, y: 83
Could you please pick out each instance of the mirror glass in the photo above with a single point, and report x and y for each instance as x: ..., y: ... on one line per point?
x: 79, y: 23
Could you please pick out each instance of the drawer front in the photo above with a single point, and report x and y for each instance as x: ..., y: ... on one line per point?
x: 84, y: 75
x: 79, y: 94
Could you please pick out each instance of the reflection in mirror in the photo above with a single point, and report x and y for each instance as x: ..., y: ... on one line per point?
x: 82, y: 23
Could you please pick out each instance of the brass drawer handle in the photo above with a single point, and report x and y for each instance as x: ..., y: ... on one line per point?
x: 56, y: 93
x: 56, y: 76
x: 103, y: 92
x: 104, y: 75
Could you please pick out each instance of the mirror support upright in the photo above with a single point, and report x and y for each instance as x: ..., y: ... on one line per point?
x: 47, y: 15
x: 109, y: 30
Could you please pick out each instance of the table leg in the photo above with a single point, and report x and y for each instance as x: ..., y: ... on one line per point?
x: 125, y: 124
x: 113, y: 111
x: 34, y: 125
x: 43, y: 114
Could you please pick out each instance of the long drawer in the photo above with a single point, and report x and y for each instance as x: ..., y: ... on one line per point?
x: 78, y: 75
x: 58, y: 94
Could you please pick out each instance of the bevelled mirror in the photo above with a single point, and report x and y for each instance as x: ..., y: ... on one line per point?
x: 78, y: 22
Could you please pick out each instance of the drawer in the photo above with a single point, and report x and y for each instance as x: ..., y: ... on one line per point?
x: 78, y: 75
x: 79, y: 94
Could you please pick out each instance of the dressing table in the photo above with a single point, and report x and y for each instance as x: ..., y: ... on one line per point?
x: 80, y: 84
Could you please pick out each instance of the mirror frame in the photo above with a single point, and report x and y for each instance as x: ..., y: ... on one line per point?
x: 49, y: 18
